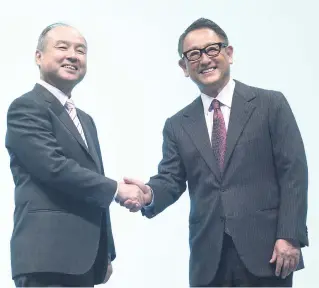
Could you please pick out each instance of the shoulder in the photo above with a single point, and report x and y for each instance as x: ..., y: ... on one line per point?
x: 261, y: 96
x: 196, y: 104
x: 258, y: 91
x: 28, y: 100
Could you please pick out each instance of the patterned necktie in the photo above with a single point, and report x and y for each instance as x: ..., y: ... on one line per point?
x: 218, y: 134
x: 70, y: 107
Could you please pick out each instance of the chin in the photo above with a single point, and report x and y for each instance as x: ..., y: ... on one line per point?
x: 71, y: 78
x: 209, y: 82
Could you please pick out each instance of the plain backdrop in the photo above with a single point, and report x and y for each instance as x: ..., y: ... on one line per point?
x: 134, y: 83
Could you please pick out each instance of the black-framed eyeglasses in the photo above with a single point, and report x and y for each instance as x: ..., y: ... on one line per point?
x: 212, y: 50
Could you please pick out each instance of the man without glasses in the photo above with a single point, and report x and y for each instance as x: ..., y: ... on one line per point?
x: 62, y: 232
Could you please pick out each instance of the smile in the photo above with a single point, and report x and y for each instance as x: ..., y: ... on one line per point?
x: 71, y: 67
x: 208, y: 70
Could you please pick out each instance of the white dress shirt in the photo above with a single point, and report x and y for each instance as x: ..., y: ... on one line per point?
x: 225, y: 97
x: 55, y: 91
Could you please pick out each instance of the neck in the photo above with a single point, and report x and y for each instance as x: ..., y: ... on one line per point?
x: 66, y: 88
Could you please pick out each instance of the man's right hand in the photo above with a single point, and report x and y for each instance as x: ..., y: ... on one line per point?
x: 147, y: 195
x: 130, y: 193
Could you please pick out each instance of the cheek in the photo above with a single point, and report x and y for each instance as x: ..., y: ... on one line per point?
x: 224, y: 65
x: 192, y: 69
x: 83, y: 62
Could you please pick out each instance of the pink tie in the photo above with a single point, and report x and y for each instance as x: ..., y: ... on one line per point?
x: 218, y: 134
x: 70, y: 107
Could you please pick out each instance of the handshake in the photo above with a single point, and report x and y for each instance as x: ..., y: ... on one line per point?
x: 133, y: 194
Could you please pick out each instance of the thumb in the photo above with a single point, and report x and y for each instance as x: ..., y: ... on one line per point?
x: 273, y: 257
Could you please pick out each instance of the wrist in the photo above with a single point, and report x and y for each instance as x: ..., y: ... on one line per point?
x: 148, y: 196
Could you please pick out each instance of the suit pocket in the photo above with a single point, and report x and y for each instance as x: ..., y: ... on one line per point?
x: 193, y: 232
x: 247, y: 141
x: 267, y: 209
x: 46, y: 211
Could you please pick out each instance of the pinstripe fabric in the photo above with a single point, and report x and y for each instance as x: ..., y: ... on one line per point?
x: 261, y: 194
x: 70, y: 107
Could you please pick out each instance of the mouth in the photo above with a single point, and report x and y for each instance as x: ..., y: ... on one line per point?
x: 209, y: 70
x: 70, y: 67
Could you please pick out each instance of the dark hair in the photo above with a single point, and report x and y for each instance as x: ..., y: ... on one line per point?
x: 46, y: 30
x: 198, y: 24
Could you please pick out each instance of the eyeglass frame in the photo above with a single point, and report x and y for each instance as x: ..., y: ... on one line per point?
x: 203, y: 50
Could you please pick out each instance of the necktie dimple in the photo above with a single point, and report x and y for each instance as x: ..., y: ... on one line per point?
x: 218, y: 134
x: 70, y: 107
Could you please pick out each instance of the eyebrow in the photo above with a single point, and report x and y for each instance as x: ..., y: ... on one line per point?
x: 196, y: 47
x: 68, y: 43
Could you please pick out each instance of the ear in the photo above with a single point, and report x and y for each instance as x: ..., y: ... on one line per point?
x: 38, y: 56
x: 229, y: 51
x: 183, y: 65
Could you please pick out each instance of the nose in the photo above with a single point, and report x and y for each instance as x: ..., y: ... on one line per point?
x: 72, y: 55
x: 205, y: 59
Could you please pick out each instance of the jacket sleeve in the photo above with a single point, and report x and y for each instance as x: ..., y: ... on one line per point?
x: 291, y: 171
x: 170, y: 182
x: 30, y: 138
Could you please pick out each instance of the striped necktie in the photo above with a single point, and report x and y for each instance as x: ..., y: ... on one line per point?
x: 70, y: 107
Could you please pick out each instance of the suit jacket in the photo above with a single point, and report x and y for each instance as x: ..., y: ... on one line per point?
x: 61, y: 194
x: 260, y: 196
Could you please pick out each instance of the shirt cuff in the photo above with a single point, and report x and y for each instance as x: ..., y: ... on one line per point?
x: 117, y: 191
x: 149, y: 206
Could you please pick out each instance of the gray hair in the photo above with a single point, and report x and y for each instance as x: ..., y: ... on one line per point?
x: 42, y: 37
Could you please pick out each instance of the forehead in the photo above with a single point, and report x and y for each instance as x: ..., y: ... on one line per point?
x: 200, y: 38
x: 65, y: 34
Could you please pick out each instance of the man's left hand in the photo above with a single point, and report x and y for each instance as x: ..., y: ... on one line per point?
x: 286, y: 256
x: 108, y: 273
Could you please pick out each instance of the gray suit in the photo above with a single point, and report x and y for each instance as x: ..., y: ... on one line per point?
x: 61, y: 195
x: 259, y: 197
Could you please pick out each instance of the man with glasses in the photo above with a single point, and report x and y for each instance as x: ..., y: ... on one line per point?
x: 240, y: 150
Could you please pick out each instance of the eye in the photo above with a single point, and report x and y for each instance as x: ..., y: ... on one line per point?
x: 81, y: 51
x: 62, y: 48
x: 193, y: 53
x: 212, y: 48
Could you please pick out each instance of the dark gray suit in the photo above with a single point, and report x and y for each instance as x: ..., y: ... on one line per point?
x: 61, y: 195
x: 259, y: 197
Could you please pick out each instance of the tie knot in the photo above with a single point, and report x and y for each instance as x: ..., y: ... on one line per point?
x: 69, y: 104
x: 214, y: 105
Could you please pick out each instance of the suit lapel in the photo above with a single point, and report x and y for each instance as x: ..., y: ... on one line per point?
x: 66, y: 120
x: 241, y: 110
x: 62, y: 114
x: 195, y: 125
x: 87, y: 128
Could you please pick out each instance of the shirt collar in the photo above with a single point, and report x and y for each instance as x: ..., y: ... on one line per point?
x: 225, y: 96
x: 55, y: 91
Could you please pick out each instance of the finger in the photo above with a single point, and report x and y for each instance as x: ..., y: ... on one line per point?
x: 135, y: 209
x: 279, y: 263
x: 285, y: 268
x: 292, y: 265
x: 138, y: 183
x: 132, y: 204
x: 273, y: 257
x: 129, y: 204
